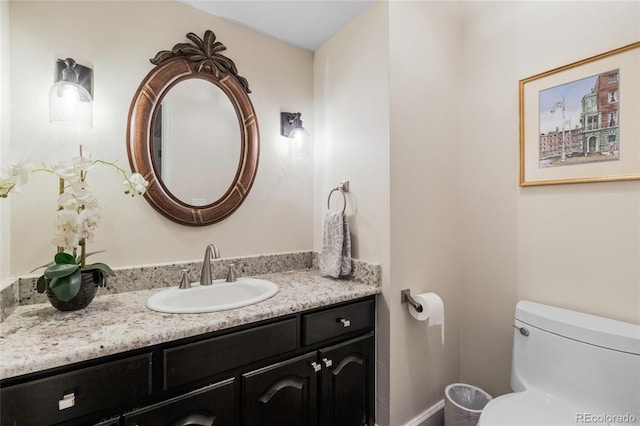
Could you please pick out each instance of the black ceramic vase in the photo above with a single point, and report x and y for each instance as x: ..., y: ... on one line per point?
x: 90, y: 281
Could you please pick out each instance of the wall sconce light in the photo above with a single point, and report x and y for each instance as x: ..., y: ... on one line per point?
x: 71, y: 97
x: 299, y: 138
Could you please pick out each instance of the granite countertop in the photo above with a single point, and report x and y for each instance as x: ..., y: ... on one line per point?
x: 38, y: 337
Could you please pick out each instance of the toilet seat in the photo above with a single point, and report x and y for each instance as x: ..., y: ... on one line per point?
x: 529, y: 408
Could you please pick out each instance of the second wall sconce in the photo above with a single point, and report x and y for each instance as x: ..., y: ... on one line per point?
x: 71, y: 97
x: 299, y: 138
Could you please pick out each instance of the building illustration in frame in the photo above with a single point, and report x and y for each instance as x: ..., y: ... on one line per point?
x: 579, y: 122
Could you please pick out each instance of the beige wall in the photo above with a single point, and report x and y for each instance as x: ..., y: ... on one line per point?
x: 118, y: 38
x: 351, y: 95
x: 424, y: 41
x: 5, y: 205
x: 574, y: 246
x: 351, y: 104
x: 387, y: 120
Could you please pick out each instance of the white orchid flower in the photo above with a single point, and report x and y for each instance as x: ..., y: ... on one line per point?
x: 67, y: 219
x: 85, y: 197
x: 67, y: 226
x: 68, y: 201
x: 18, y: 173
x: 80, y: 191
x: 83, y: 164
x: 137, y: 183
x: 89, y: 219
x: 66, y: 239
x: 66, y: 170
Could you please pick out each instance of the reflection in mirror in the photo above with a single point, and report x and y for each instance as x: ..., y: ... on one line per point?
x: 196, y: 149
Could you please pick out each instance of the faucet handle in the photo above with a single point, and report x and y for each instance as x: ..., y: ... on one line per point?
x: 233, y: 273
x: 184, y: 281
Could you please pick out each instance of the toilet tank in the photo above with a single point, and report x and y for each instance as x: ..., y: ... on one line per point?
x: 591, y: 361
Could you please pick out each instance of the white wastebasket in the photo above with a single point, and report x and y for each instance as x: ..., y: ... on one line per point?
x: 463, y: 404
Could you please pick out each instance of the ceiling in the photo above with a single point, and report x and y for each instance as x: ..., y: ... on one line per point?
x: 303, y: 23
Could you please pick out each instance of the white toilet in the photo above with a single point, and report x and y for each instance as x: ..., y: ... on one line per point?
x: 569, y: 368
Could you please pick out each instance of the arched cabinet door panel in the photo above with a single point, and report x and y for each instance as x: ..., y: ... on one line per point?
x: 283, y: 394
x: 347, y: 383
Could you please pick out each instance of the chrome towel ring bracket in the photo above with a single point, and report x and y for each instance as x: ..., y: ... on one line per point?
x: 342, y: 187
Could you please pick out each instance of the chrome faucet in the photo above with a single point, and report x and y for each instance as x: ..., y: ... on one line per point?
x: 211, y: 251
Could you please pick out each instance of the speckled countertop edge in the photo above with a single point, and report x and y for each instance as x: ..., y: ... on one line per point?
x: 38, y: 337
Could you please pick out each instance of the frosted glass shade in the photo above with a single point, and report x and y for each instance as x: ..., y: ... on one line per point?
x: 70, y: 103
x: 299, y: 143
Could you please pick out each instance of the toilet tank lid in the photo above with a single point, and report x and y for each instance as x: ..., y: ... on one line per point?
x: 587, y: 328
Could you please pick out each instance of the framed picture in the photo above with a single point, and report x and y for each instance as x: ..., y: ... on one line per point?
x: 581, y: 122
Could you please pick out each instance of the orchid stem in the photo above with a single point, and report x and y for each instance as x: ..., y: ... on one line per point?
x: 60, y: 191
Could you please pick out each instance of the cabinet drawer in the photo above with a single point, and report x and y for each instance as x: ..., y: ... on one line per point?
x: 337, y: 321
x: 89, y: 390
x: 190, y: 363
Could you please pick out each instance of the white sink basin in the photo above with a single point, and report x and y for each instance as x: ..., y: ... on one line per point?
x: 219, y: 296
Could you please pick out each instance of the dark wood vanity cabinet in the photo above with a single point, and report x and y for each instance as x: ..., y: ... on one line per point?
x: 314, y: 368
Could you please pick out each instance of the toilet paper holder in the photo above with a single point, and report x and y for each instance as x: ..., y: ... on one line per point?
x: 405, y: 297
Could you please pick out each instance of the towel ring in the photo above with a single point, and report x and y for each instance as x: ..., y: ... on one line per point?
x: 344, y: 199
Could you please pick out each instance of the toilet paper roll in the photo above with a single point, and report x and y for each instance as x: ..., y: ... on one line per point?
x: 432, y: 309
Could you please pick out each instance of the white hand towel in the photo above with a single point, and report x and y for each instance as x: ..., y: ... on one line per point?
x: 335, y: 259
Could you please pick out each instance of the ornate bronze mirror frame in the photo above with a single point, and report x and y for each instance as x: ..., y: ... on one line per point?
x: 201, y: 60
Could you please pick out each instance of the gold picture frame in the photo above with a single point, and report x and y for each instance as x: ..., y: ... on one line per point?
x: 581, y: 122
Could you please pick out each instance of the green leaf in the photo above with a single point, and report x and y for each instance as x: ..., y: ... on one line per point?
x: 41, y: 284
x: 64, y: 259
x: 94, y: 252
x: 101, y: 266
x: 46, y: 265
x: 62, y: 270
x: 65, y: 288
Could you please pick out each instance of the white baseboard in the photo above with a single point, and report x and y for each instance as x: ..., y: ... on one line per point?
x: 433, y: 416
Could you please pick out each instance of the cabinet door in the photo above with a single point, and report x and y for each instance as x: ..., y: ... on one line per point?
x: 212, y: 405
x: 283, y: 394
x: 347, y: 383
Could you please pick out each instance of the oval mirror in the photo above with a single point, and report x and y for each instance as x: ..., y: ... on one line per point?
x: 193, y: 134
